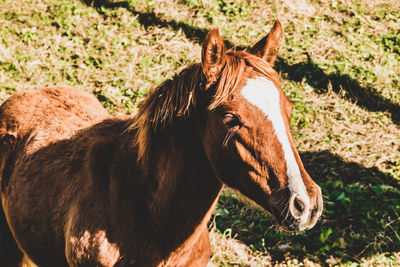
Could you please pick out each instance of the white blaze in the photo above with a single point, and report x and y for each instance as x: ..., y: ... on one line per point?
x: 263, y: 93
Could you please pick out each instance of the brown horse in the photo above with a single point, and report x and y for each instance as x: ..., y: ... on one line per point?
x: 81, y: 188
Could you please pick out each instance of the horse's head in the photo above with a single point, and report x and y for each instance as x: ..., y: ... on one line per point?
x: 247, y: 135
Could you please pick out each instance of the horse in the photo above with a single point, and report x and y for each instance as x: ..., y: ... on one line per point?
x: 80, y: 187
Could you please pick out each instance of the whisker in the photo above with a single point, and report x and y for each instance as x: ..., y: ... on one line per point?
x: 287, y: 214
x: 280, y: 201
x: 279, y: 189
x: 284, y: 210
x: 325, y: 197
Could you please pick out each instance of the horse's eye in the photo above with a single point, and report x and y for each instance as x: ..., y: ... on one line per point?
x: 231, y: 121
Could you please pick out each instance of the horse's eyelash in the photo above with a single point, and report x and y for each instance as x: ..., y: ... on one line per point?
x: 229, y: 135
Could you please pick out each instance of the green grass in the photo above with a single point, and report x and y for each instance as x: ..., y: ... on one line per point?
x: 339, y: 62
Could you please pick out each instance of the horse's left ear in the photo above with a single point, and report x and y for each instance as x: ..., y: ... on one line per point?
x: 267, y: 48
x: 213, y: 55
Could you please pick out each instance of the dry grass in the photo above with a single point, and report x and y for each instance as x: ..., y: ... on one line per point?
x: 232, y: 252
x: 340, y: 63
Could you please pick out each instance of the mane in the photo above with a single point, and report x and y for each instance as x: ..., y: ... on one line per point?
x: 178, y: 98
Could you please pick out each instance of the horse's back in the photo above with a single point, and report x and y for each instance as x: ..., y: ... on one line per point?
x: 51, y: 113
x: 45, y: 115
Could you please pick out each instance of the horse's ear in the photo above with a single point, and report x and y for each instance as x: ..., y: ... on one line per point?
x: 267, y: 48
x: 213, y: 55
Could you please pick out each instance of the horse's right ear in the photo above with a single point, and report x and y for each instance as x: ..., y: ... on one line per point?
x: 267, y: 48
x: 213, y: 56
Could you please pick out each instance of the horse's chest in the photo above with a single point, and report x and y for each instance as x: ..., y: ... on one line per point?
x: 92, y: 249
x: 95, y: 249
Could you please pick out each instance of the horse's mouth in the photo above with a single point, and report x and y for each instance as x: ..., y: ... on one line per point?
x: 287, y: 223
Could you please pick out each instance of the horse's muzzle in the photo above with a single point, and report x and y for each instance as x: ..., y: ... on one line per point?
x: 303, y: 211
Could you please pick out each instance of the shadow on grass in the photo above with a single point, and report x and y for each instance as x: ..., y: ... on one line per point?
x: 308, y: 71
x: 361, y: 215
x: 320, y: 82
x: 148, y: 19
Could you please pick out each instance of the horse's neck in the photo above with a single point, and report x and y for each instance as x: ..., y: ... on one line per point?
x: 168, y: 203
x: 185, y: 186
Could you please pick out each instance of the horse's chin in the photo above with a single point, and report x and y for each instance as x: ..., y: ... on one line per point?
x: 292, y: 229
x: 286, y: 225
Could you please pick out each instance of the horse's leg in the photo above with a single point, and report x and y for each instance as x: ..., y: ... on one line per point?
x: 10, y: 255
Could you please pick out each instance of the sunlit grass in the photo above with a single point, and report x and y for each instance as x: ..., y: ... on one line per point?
x: 339, y: 61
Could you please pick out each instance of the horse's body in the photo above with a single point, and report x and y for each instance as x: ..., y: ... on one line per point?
x: 97, y: 173
x: 80, y: 188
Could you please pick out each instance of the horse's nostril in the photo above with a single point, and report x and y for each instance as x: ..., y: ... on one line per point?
x: 298, y: 204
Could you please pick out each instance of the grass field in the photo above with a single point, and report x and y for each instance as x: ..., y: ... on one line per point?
x: 340, y: 64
